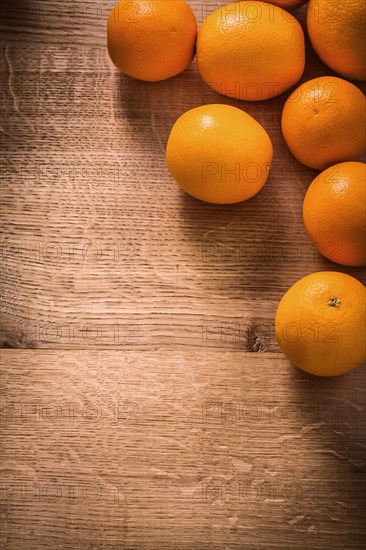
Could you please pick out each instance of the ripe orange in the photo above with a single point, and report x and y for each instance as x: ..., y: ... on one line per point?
x: 219, y: 154
x: 151, y: 39
x: 287, y: 4
x: 323, y: 122
x: 337, y: 31
x: 250, y: 50
x: 320, y: 323
x: 335, y: 213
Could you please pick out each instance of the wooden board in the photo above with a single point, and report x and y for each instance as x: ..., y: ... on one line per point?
x: 157, y: 412
x: 186, y: 451
x: 100, y: 247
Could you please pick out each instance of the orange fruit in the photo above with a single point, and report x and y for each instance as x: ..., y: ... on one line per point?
x: 287, y: 4
x: 151, y: 39
x: 320, y: 323
x: 323, y: 122
x: 335, y: 213
x: 337, y: 31
x: 219, y: 154
x: 250, y: 50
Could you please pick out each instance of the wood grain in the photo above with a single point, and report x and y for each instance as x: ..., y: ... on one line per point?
x: 148, y: 451
x: 100, y: 248
x: 189, y: 431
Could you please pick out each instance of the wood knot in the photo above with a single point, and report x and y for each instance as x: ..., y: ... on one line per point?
x: 253, y: 343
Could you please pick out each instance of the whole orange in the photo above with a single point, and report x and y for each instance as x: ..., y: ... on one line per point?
x: 250, y: 50
x: 151, y: 39
x: 323, y: 122
x: 320, y: 323
x: 335, y: 213
x: 219, y: 154
x: 337, y: 31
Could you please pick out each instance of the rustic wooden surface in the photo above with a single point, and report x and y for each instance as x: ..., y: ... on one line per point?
x: 149, y: 305
x: 100, y: 247
x: 112, y: 450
